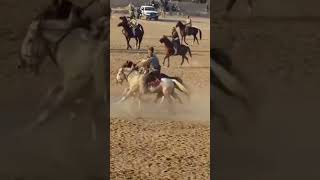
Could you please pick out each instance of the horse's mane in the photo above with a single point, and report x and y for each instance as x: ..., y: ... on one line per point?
x: 180, y: 23
x: 124, y: 19
x: 166, y: 40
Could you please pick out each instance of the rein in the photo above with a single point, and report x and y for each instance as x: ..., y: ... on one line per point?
x: 126, y: 76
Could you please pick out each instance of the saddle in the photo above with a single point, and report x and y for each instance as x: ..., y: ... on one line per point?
x: 154, y: 83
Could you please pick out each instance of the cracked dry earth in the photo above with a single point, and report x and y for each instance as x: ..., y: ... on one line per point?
x: 154, y: 145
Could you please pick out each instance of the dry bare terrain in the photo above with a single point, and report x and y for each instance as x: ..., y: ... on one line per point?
x: 155, y: 145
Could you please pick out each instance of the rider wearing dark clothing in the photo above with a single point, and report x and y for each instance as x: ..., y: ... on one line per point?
x: 60, y: 10
x: 64, y: 14
x: 175, y: 39
x: 139, y: 13
x: 63, y: 8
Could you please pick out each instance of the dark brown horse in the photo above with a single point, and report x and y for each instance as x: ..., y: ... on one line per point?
x: 127, y: 32
x: 192, y: 31
x: 182, y: 51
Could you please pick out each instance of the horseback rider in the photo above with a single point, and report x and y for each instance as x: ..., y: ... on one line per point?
x: 131, y: 10
x: 188, y: 24
x: 139, y: 13
x: 63, y: 14
x: 133, y: 24
x: 175, y: 40
x: 153, y: 73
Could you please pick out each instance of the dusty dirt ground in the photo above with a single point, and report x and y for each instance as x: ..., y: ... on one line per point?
x: 155, y: 145
x: 279, y: 60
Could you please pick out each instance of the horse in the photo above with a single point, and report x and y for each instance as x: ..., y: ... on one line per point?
x: 191, y: 31
x: 33, y: 50
x: 144, y: 64
x: 182, y: 51
x: 127, y: 32
x: 81, y: 61
x: 165, y: 88
x: 37, y: 49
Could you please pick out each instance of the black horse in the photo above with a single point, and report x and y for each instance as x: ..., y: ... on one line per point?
x: 127, y: 32
x: 192, y: 31
x: 183, y: 50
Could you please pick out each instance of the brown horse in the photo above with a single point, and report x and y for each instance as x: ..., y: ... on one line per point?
x: 182, y: 50
x: 192, y: 31
x: 127, y: 32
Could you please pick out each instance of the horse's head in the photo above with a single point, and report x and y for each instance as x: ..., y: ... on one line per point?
x: 179, y: 24
x: 31, y: 49
x: 120, y: 24
x: 128, y: 64
x: 120, y: 76
x: 163, y: 39
x: 123, y: 19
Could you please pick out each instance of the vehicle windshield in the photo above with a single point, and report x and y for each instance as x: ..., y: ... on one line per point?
x: 149, y: 8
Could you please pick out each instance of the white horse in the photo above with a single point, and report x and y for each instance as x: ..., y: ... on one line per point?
x: 164, y: 89
x: 79, y: 56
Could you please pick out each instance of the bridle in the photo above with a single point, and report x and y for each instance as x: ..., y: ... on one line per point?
x: 127, y: 75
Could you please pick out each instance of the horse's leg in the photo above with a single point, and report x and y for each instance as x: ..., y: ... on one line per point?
x: 162, y: 99
x: 61, y: 98
x: 129, y: 43
x: 125, y: 91
x: 140, y: 40
x: 195, y: 38
x: 164, y: 60
x: 168, y: 61
x: 182, y: 60
x: 137, y: 40
x: 51, y: 93
x: 176, y: 96
x: 159, y: 95
x: 187, y: 59
x: 128, y: 93
x: 184, y: 39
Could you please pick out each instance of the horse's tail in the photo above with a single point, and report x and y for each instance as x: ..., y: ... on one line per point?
x: 178, y: 79
x: 181, y: 87
x: 142, y: 30
x: 200, y: 34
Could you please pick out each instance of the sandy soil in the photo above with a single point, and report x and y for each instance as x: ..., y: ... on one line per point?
x: 278, y: 59
x: 155, y: 145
